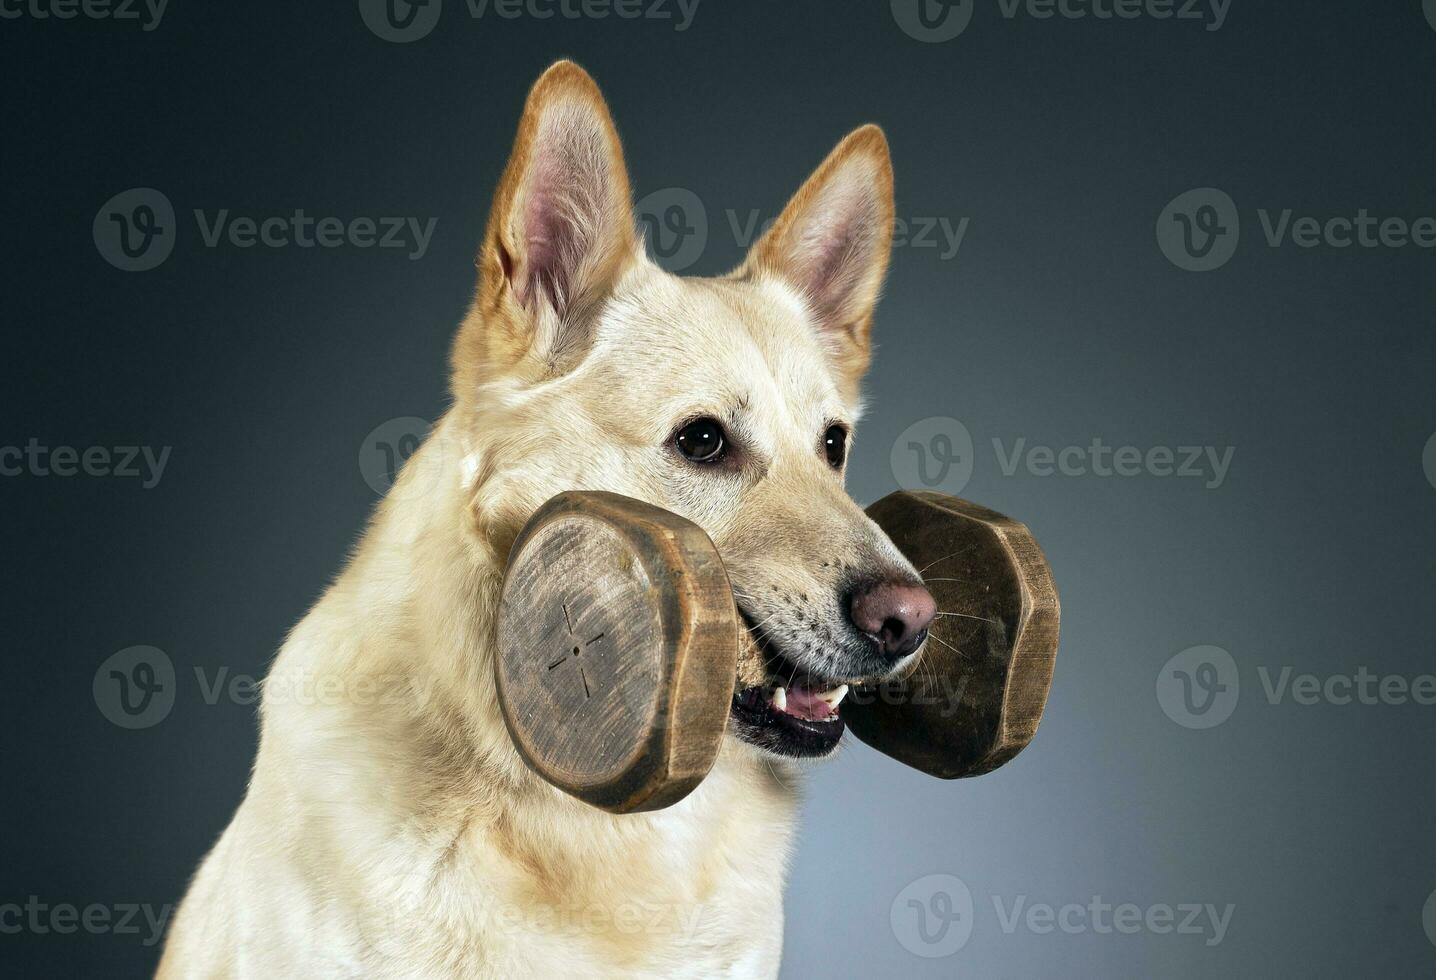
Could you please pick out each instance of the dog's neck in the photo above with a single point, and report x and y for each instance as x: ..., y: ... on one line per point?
x: 412, y: 618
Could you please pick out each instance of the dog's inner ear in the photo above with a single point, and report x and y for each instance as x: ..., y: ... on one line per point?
x: 570, y: 218
x: 831, y: 244
x: 561, y: 230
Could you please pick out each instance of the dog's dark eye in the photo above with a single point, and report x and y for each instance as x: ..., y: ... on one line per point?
x: 835, y: 445
x: 702, y: 441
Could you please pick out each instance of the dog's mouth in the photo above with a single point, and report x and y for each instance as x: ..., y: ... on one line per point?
x: 795, y: 712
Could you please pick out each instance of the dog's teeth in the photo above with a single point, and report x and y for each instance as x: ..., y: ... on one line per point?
x: 780, y: 698
x: 835, y: 696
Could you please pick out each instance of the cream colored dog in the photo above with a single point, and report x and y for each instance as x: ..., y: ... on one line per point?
x: 390, y: 828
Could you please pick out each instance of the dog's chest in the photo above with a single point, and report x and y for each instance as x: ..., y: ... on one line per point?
x: 694, y: 891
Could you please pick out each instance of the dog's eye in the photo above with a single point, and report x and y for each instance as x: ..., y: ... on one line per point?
x: 835, y: 445
x: 702, y: 441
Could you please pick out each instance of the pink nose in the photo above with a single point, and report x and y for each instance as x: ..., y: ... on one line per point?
x: 894, y: 614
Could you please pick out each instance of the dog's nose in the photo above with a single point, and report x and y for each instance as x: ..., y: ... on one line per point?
x: 894, y: 614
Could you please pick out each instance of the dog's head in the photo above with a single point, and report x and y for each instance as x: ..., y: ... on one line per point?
x: 729, y: 401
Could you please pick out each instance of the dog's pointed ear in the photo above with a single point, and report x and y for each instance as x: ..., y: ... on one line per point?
x: 560, y: 233
x: 832, y: 242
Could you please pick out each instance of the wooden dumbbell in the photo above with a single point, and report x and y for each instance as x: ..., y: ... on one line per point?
x: 974, y: 697
x: 618, y: 643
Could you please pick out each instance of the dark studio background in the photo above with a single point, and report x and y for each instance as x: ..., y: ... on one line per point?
x: 1059, y: 320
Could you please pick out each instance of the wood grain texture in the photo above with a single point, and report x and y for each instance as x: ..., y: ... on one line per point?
x: 975, y: 696
x: 617, y: 650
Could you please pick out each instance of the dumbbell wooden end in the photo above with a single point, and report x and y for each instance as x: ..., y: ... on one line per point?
x: 617, y: 647
x: 976, y: 694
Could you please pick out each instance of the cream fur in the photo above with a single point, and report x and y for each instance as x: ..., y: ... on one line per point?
x: 390, y: 829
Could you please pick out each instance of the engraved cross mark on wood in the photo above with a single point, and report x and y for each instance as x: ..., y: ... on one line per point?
x: 575, y: 653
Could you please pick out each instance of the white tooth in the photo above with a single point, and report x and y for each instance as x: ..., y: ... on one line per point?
x: 836, y: 695
x: 780, y: 698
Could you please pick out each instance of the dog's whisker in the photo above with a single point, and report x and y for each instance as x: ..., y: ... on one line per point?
x: 942, y: 559
x: 939, y: 639
x: 760, y: 624
x: 947, y: 580
x: 981, y: 619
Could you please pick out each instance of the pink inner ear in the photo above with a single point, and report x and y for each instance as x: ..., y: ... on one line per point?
x: 548, y: 236
x: 835, y: 271
x: 565, y: 209
x: 835, y: 248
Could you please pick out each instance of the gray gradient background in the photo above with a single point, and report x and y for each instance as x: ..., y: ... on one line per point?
x: 1059, y: 320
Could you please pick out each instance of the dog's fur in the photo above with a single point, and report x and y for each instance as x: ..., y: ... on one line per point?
x: 390, y: 829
